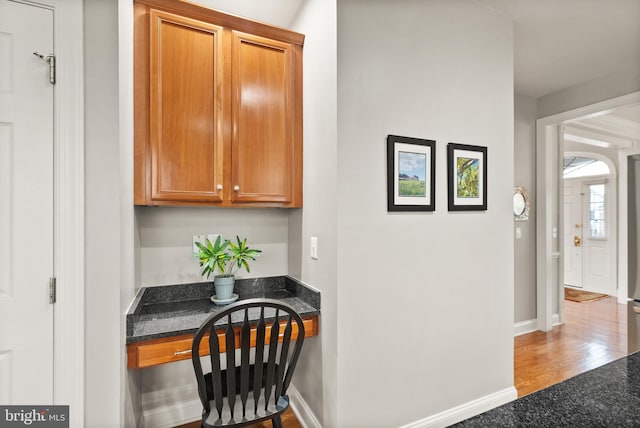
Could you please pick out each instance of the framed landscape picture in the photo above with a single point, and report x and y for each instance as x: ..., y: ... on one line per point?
x: 467, y: 177
x: 411, y: 176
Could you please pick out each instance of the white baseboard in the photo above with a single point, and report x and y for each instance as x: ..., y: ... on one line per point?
x: 529, y: 326
x: 524, y: 327
x: 303, y: 412
x: 467, y: 410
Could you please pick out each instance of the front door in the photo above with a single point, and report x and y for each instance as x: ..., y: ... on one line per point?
x: 26, y: 205
x: 599, y: 253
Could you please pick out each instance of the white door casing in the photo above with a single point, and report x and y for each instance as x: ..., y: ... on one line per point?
x: 69, y: 204
x: 573, y: 226
x: 26, y: 207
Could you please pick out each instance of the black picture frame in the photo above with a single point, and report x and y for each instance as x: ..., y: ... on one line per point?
x: 411, y: 177
x: 467, y: 177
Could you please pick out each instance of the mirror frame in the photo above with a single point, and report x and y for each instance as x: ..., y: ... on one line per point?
x: 524, y: 214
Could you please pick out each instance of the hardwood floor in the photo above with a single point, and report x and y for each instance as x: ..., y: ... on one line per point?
x: 594, y: 334
x: 289, y: 420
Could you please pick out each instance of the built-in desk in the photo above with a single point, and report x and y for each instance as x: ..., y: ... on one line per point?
x: 162, y: 320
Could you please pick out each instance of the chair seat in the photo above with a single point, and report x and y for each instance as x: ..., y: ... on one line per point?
x: 250, y: 416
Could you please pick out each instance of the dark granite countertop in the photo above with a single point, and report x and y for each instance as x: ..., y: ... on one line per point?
x: 608, y: 396
x: 172, y: 310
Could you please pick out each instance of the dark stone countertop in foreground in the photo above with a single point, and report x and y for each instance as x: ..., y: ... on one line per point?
x: 173, y: 310
x: 608, y: 396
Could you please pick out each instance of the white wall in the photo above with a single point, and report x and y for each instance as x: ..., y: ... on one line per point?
x: 129, y: 242
x: 525, y: 175
x: 103, y: 342
x: 166, y: 233
x: 316, y: 375
x: 425, y: 301
x: 168, y: 393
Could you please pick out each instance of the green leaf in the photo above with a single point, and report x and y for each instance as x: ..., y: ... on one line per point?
x: 224, y: 255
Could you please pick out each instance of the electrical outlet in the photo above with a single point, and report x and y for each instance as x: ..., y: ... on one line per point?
x: 202, y: 239
x: 197, y: 238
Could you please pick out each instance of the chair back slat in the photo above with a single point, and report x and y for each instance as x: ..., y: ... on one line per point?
x: 271, y: 362
x: 259, y: 359
x: 255, y: 389
x: 197, y: 368
x: 216, y: 372
x: 284, y: 353
x: 293, y: 359
x: 245, y: 350
x: 230, y: 343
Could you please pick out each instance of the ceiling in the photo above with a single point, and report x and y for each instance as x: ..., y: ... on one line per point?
x: 558, y: 43
x: 616, y: 129
x: 563, y: 43
x: 274, y: 12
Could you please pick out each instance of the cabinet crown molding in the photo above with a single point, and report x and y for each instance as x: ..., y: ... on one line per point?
x: 239, y: 23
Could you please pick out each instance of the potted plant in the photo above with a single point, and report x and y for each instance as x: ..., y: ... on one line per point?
x: 225, y: 257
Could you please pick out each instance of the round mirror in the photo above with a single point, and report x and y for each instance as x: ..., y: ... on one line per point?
x: 520, y: 204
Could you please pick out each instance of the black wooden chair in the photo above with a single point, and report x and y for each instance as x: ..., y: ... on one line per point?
x: 250, y: 392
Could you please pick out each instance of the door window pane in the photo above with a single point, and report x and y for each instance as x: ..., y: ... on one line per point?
x: 597, y: 211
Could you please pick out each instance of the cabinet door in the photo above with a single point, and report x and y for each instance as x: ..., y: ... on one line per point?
x: 186, y: 109
x: 266, y: 164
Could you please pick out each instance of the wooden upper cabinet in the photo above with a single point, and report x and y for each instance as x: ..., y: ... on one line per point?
x: 185, y: 107
x: 263, y: 118
x: 218, y: 109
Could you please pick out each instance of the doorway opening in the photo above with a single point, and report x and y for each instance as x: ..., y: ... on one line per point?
x: 590, y: 214
x: 553, y: 134
x: 581, y: 166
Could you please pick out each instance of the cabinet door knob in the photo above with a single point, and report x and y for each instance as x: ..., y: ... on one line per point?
x: 236, y: 188
x: 219, y: 186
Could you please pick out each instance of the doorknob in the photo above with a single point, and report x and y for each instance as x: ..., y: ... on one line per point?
x: 577, y: 241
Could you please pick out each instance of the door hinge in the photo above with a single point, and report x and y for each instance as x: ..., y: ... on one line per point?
x: 52, y: 290
x: 51, y: 60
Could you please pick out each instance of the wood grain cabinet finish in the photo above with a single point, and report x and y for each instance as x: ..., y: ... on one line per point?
x: 176, y: 348
x: 218, y: 109
x: 185, y: 104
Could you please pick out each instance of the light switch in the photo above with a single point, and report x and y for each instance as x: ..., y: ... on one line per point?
x: 518, y: 233
x: 314, y: 247
x: 554, y: 232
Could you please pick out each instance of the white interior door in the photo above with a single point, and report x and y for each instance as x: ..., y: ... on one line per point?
x: 573, y: 232
x: 26, y: 205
